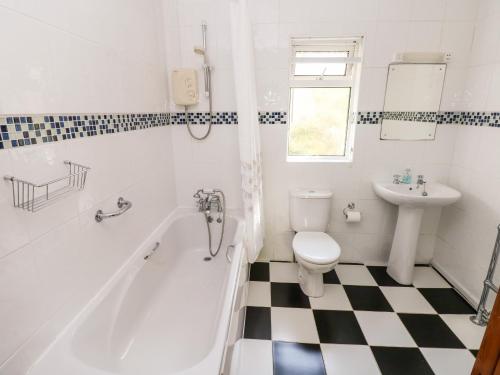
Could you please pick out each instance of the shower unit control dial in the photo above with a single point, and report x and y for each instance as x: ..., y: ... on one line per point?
x: 185, y: 87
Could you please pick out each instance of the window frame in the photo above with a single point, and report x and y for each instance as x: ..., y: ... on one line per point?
x: 349, y: 80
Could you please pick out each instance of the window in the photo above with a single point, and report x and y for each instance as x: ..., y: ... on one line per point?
x: 324, y: 78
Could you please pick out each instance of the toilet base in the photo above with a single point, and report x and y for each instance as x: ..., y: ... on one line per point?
x: 311, y: 283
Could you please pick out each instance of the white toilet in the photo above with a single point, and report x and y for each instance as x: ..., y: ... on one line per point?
x: 315, y: 251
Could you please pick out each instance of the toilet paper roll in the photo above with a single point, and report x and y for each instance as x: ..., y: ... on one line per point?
x: 353, y: 216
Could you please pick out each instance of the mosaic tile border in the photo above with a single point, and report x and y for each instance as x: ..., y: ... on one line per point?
x: 25, y: 130
x: 18, y: 131
x: 369, y: 118
x: 491, y: 119
x: 271, y: 118
x: 226, y: 118
x: 411, y: 116
x: 197, y: 118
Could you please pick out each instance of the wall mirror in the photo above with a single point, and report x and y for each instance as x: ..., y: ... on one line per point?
x: 412, y: 101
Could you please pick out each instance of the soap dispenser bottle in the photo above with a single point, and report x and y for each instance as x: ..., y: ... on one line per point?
x: 407, y: 176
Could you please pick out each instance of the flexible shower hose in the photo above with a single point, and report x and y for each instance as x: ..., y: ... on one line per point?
x: 213, y: 254
x: 209, y: 110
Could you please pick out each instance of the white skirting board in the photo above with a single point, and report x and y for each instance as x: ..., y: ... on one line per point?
x: 473, y: 301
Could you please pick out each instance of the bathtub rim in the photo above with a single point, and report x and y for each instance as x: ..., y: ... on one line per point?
x: 217, y: 351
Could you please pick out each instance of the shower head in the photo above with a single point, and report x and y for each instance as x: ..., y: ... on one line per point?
x: 199, y: 51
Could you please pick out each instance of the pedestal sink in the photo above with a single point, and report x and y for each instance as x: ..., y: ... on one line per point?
x: 411, y: 204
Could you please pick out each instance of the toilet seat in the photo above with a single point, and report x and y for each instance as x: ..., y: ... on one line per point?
x: 316, y: 247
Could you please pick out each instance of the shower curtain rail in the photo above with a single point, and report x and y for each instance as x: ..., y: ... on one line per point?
x: 482, y: 315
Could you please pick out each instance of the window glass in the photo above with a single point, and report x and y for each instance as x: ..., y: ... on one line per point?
x: 320, y: 68
x: 318, y: 121
x: 324, y: 75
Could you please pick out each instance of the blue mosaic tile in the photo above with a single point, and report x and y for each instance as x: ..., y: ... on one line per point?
x: 369, y: 118
x: 443, y: 118
x: 203, y: 118
x: 24, y: 130
x: 411, y: 116
x: 272, y: 118
x: 21, y: 131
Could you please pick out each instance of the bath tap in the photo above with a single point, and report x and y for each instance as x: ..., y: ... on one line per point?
x: 215, y: 202
x: 208, y: 201
x: 202, y: 202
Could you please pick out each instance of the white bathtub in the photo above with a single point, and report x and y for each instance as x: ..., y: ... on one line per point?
x: 167, y: 315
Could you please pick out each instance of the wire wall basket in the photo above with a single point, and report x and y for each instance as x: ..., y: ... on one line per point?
x: 33, y: 197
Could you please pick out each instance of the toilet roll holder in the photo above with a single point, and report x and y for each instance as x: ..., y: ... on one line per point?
x: 350, y: 206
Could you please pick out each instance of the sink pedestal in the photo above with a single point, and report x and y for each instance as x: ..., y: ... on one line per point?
x: 411, y: 202
x: 404, y: 245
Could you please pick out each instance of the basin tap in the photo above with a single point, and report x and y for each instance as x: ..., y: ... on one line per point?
x: 420, y: 180
x: 424, y: 193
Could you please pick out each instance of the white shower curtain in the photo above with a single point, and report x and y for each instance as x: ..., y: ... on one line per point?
x: 248, y: 126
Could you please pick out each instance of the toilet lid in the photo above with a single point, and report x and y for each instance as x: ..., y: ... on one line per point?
x: 316, y: 247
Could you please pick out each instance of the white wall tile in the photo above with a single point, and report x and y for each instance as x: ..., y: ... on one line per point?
x: 461, y: 10
x: 487, y: 8
x: 456, y: 39
x: 467, y: 230
x: 21, y: 296
x: 454, y: 93
x: 29, y: 74
x: 272, y: 89
x: 477, y: 86
x: 323, y: 10
x: 493, y: 102
x: 87, y: 57
x: 291, y: 30
x: 428, y: 10
x: 131, y: 76
x: 14, y: 234
x: 391, y: 38
x: 486, y: 39
x: 264, y: 11
x: 424, y: 36
x: 392, y: 10
x: 63, y: 242
x: 294, y: 11
x: 266, y: 37
x: 210, y: 164
x: 64, y: 51
x: 372, y: 90
x: 194, y: 12
x: 358, y: 9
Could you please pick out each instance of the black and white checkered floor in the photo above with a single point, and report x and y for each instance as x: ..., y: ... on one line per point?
x: 366, y: 323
